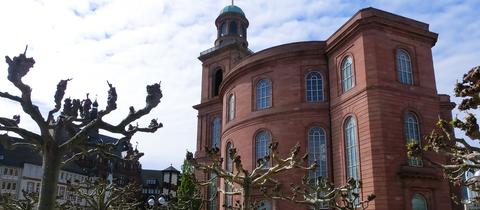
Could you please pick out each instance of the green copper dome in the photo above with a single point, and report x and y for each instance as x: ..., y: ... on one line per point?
x: 232, y: 8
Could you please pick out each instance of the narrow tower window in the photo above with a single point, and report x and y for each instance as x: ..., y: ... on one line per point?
x: 348, y: 79
x: 412, y: 133
x: 314, y: 89
x: 263, y: 94
x: 233, y: 28
x: 262, y: 141
x: 217, y: 80
x: 216, y: 132
x: 404, y: 67
x: 231, y: 107
x: 223, y: 29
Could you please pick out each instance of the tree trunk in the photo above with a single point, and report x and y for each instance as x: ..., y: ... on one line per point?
x: 51, y: 169
x: 247, y: 195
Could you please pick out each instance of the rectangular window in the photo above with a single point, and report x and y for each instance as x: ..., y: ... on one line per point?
x: 38, y: 188
x: 30, y: 186
x: 14, y: 186
x: 61, y: 192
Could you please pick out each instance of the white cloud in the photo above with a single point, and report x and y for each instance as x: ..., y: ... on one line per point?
x: 132, y: 44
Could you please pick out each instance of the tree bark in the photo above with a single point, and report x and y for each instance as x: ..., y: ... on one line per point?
x: 51, y: 168
x: 247, y: 194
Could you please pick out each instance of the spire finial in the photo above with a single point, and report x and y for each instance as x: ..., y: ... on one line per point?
x: 232, y: 2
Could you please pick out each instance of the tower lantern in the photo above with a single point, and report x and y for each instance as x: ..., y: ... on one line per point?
x: 231, y: 26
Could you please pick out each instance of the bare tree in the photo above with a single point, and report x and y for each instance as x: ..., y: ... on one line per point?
x: 65, y: 136
x: 321, y: 192
x: 28, y: 203
x: 100, y: 194
x: 245, y: 181
x: 462, y: 155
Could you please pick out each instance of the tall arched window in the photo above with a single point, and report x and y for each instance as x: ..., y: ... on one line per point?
x: 351, y: 148
x: 229, y: 168
x: 265, y: 205
x: 217, y: 80
x: 262, y: 141
x: 404, y: 67
x: 229, y: 160
x: 212, y: 192
x: 233, y: 28
x: 348, y: 78
x: 231, y: 107
x: 263, y: 94
x: 314, y: 89
x: 317, y: 151
x: 412, y: 133
x: 216, y: 132
x: 419, y: 202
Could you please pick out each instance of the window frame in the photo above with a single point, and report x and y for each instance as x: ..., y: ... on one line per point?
x: 267, y: 97
x: 354, y: 148
x: 318, y: 171
x: 268, y: 140
x: 214, y: 84
x: 346, y: 58
x: 408, y: 130
x: 320, y: 91
x: 233, y: 25
x: 399, y: 63
x: 216, y: 131
x: 222, y: 29
x: 212, y: 187
x: 231, y: 107
x: 422, y: 198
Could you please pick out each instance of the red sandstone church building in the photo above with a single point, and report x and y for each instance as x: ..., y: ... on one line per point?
x: 351, y: 101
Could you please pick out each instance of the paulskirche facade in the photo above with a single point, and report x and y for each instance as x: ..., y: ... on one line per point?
x: 352, y: 101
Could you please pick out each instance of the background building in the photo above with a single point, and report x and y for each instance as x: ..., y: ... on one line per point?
x: 21, y: 169
x: 156, y: 183
x: 352, y: 101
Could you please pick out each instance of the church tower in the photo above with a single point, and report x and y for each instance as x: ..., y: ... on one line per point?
x: 229, y: 48
x: 217, y: 62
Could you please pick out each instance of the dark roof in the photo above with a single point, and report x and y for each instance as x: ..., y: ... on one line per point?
x: 21, y: 155
x: 171, y: 168
x: 151, y: 174
x: 232, y: 9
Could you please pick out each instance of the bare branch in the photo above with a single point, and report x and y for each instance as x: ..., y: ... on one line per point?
x: 17, y: 69
x: 59, y: 94
x: 11, y: 97
x: 10, y: 142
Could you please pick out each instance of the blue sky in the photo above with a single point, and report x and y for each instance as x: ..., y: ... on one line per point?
x: 134, y: 43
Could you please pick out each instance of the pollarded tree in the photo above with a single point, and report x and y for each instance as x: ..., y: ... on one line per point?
x: 244, y: 182
x: 9, y: 203
x: 101, y: 194
x: 462, y: 155
x: 65, y: 136
x: 322, y: 193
